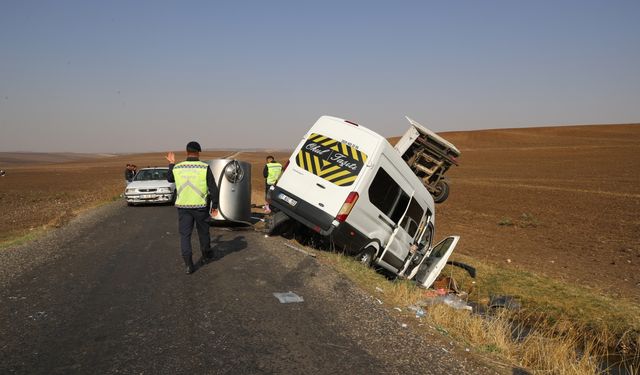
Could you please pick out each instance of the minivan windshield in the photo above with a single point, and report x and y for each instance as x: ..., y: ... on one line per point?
x: 152, y: 174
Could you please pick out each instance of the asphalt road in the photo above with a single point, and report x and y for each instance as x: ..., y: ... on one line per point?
x: 108, y: 294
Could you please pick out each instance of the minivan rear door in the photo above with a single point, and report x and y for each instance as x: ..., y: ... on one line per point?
x: 431, y: 266
x: 323, y: 170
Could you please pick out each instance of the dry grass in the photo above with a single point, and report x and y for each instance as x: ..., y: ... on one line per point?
x: 546, y: 336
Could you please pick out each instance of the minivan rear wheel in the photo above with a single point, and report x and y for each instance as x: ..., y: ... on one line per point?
x: 441, y: 192
x: 365, y: 257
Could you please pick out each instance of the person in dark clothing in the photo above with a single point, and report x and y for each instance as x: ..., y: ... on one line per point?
x: 128, y: 174
x: 196, y: 191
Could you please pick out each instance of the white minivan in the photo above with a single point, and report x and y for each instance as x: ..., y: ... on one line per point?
x: 348, y: 183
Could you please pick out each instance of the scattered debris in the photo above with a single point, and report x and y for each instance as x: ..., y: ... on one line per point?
x: 288, y: 297
x: 470, y: 269
x: 404, y: 325
x: 450, y: 300
x: 379, y: 302
x: 420, y: 313
x: 397, y: 308
x: 506, y: 302
x: 378, y: 289
x: 337, y: 346
x: 38, y: 315
x: 299, y: 249
x: 456, y: 302
x: 446, y: 283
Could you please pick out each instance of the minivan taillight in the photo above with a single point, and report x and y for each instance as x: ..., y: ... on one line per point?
x: 347, y: 206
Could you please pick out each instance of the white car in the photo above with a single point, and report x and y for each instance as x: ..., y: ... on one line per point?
x: 150, y: 185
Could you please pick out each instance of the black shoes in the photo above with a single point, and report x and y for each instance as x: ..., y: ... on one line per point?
x: 207, y: 256
x: 189, y: 263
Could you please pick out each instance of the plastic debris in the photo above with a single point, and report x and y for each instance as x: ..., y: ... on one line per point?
x: 456, y: 303
x: 404, y: 325
x: 378, y: 289
x: 450, y: 300
x: 379, y: 302
x: 288, y: 297
x: 420, y: 312
x: 397, y: 308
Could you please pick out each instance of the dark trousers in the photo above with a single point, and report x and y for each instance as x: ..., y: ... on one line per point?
x: 186, y: 218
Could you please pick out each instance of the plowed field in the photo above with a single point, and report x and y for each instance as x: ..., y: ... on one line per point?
x: 561, y: 201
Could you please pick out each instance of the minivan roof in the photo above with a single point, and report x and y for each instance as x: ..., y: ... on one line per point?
x: 353, y: 123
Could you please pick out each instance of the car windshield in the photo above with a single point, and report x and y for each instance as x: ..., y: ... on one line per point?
x: 152, y: 174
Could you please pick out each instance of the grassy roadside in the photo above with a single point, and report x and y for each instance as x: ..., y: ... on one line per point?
x: 560, y: 328
x: 23, y: 236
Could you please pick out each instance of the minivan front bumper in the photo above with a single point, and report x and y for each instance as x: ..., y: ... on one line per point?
x: 302, y: 211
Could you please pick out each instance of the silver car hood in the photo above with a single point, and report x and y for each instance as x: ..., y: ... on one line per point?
x: 151, y: 184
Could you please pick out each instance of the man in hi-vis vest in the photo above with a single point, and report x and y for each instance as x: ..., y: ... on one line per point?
x: 271, y: 173
x: 196, y: 189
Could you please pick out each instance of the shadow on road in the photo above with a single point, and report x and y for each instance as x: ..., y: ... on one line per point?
x: 222, y: 248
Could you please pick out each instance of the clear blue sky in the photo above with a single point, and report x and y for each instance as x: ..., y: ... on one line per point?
x: 130, y: 76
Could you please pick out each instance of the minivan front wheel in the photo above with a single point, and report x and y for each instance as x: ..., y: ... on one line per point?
x: 365, y: 257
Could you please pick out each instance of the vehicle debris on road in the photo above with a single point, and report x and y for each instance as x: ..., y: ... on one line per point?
x: 288, y: 297
x: 300, y: 250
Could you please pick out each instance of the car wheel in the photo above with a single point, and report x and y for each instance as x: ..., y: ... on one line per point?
x: 366, y: 256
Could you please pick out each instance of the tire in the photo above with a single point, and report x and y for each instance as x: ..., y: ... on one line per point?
x: 441, y: 192
x: 366, y: 256
x: 130, y: 204
x: 274, y: 222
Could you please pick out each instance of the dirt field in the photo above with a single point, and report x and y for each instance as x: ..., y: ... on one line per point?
x: 562, y: 201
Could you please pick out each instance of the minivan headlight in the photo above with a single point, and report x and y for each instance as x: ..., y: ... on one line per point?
x: 130, y: 190
x: 164, y: 190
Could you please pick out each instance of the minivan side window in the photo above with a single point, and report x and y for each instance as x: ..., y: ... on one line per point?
x: 400, y: 207
x: 412, y: 218
x: 387, y: 196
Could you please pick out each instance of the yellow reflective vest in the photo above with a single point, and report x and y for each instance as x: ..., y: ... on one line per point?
x: 274, y: 172
x: 191, y: 184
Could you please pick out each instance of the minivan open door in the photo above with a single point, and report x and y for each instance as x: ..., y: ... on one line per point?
x: 431, y: 266
x: 397, y: 247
